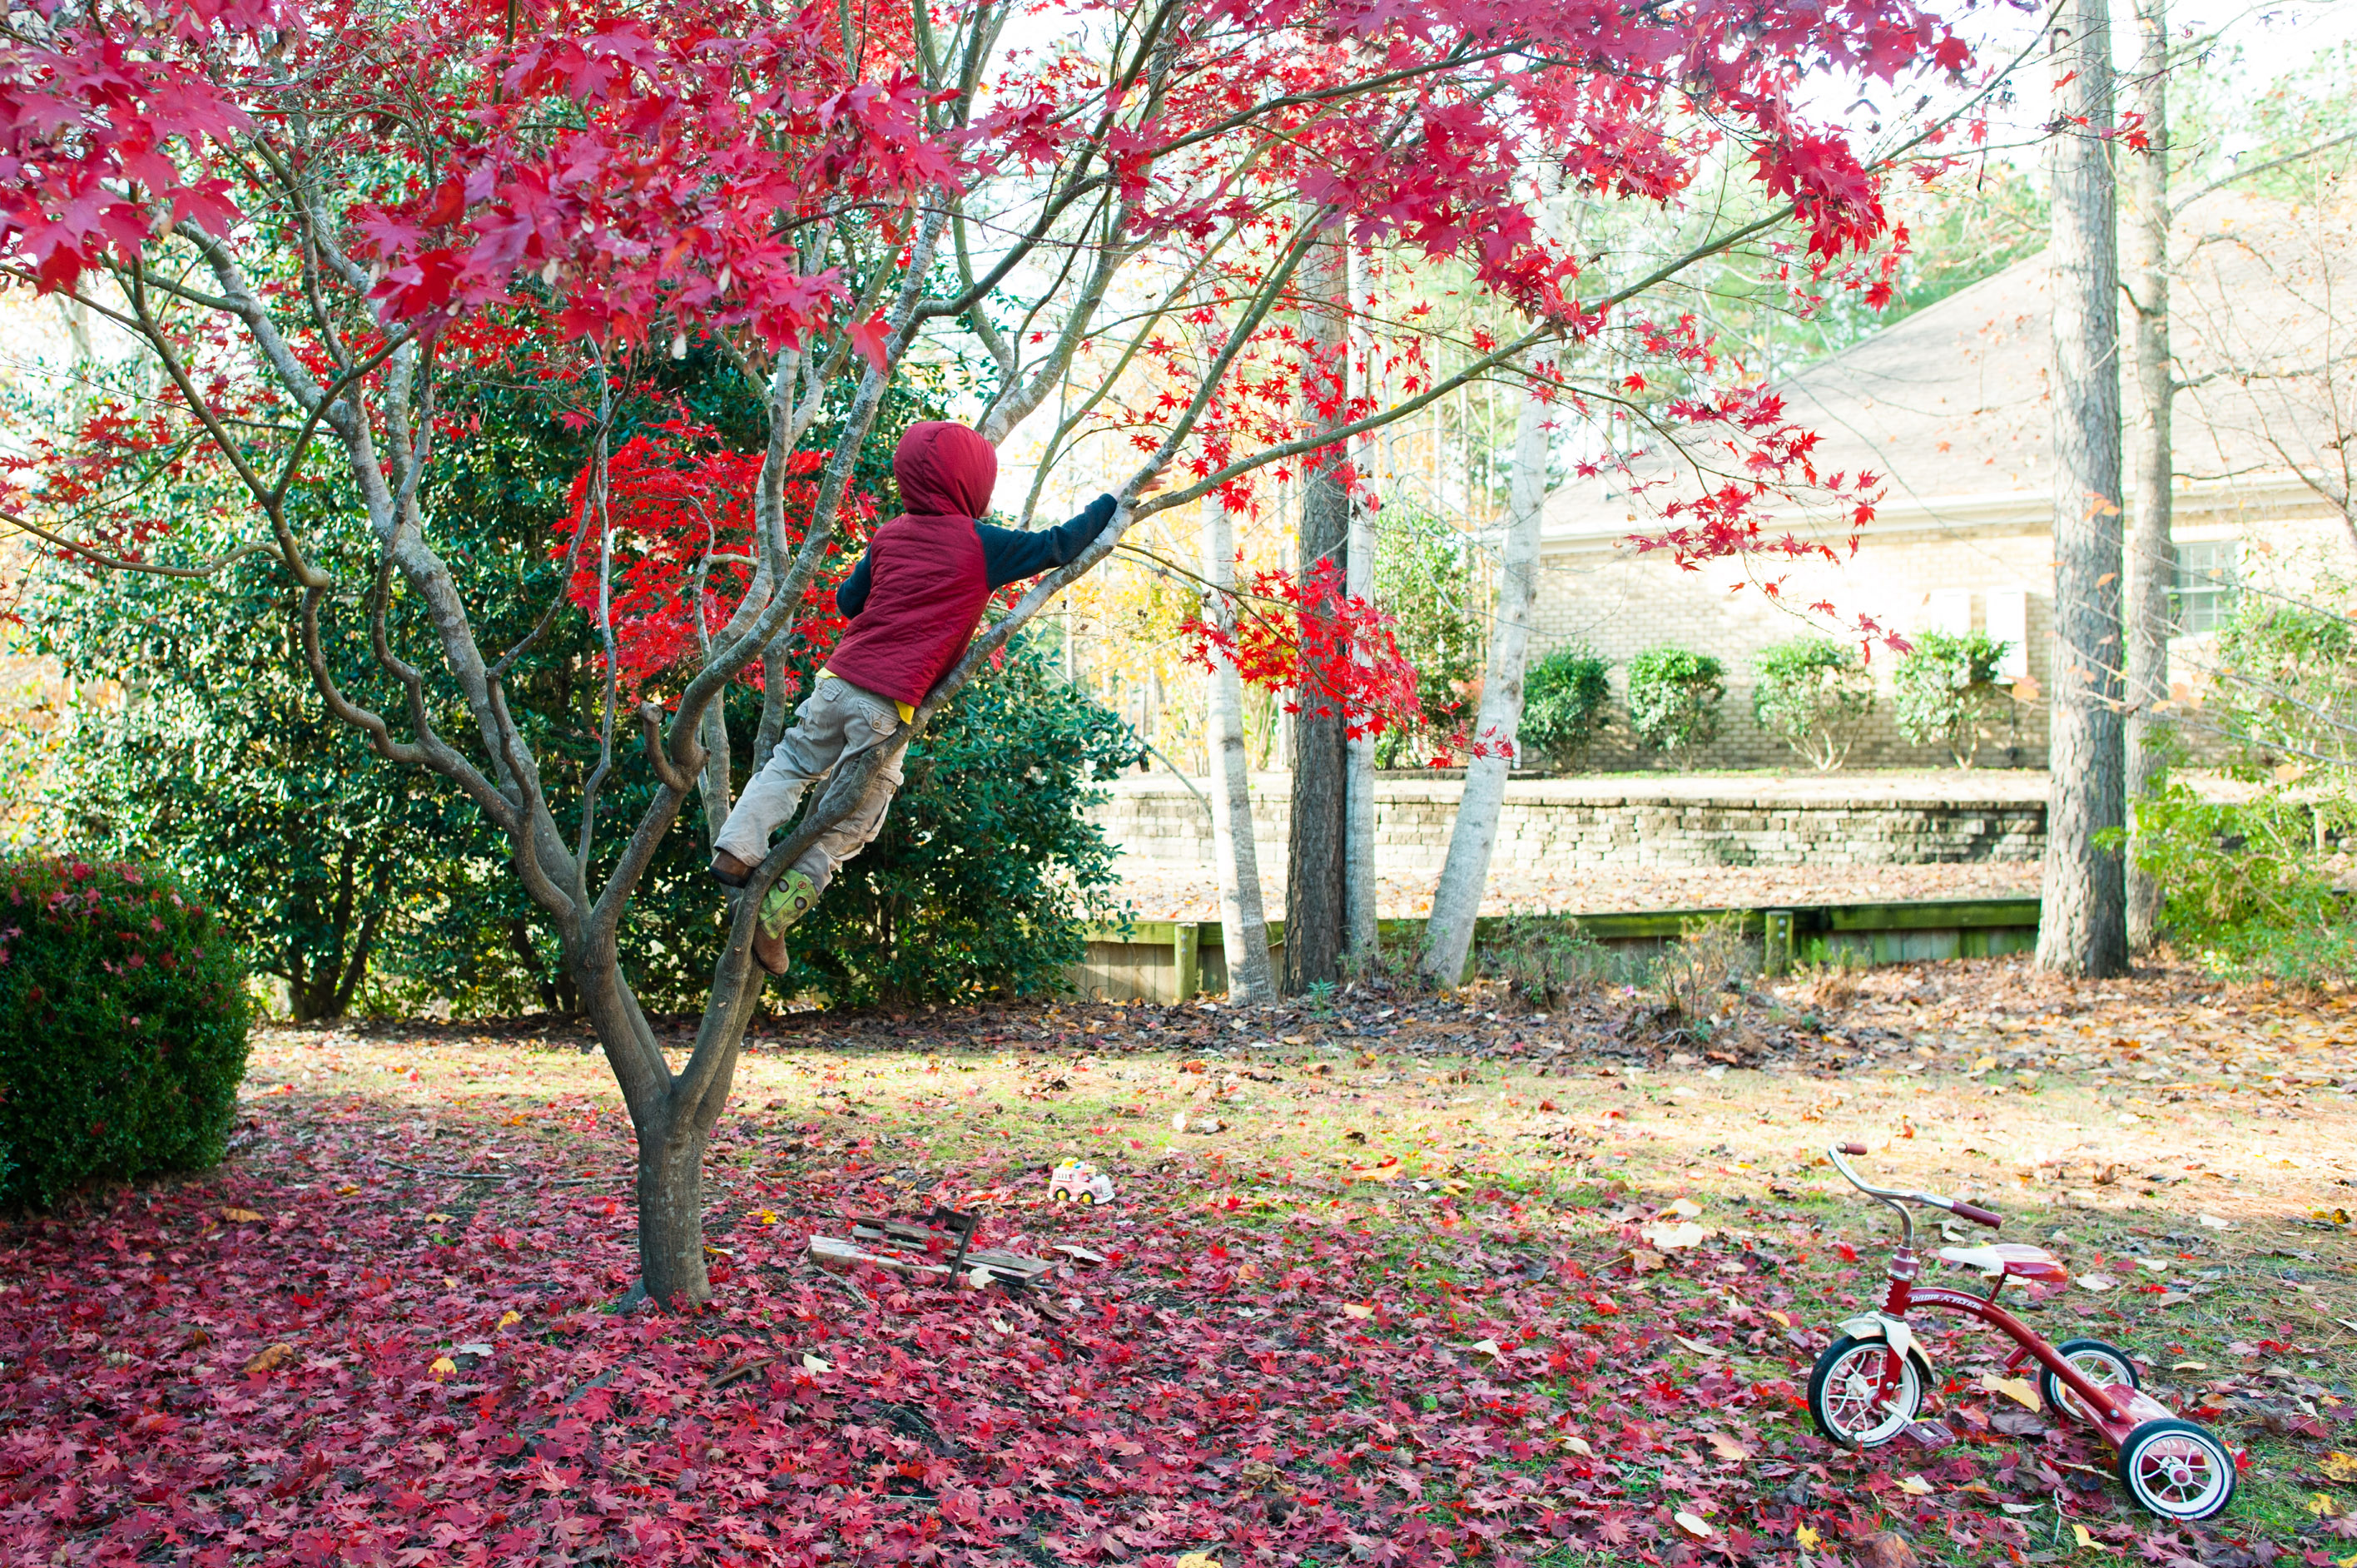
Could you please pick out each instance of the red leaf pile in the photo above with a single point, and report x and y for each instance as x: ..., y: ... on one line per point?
x: 366, y: 1343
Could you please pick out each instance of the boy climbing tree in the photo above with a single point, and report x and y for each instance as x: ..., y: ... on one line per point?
x: 914, y: 602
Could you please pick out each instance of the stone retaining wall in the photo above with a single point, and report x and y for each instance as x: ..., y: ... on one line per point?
x: 1906, y: 820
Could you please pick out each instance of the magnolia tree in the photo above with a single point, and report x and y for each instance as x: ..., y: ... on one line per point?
x: 328, y: 227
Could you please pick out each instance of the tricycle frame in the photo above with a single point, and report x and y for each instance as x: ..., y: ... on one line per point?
x: 2111, y: 1413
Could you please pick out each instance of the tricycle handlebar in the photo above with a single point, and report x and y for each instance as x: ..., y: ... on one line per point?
x: 1892, y: 1196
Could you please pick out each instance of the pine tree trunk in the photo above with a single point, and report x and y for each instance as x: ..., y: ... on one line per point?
x: 1243, y: 928
x: 1315, y: 892
x: 1361, y: 935
x: 1464, y: 877
x: 2151, y: 559
x: 2083, y: 927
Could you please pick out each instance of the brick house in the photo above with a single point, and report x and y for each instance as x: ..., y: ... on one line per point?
x: 1950, y: 403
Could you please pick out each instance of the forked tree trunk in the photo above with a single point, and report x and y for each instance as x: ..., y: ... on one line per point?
x: 2083, y: 927
x: 1315, y: 893
x: 1243, y: 927
x: 2151, y: 559
x: 1464, y: 877
x: 673, y: 1120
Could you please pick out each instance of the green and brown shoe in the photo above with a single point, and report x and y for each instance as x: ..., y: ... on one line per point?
x: 793, y: 897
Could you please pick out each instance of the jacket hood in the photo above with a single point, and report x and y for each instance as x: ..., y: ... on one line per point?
x: 944, y: 469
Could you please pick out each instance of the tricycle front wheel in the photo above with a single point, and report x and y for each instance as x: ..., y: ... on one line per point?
x: 1846, y: 1397
x: 2177, y: 1469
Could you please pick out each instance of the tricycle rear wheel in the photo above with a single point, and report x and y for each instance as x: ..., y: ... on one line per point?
x: 2101, y: 1364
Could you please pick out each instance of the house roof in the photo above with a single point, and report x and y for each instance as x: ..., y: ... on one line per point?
x: 1951, y: 404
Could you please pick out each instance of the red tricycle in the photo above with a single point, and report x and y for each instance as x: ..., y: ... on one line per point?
x: 1868, y: 1386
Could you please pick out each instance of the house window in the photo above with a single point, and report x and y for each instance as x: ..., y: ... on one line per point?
x: 2204, y: 594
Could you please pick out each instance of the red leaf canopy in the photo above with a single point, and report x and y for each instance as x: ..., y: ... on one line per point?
x: 679, y: 514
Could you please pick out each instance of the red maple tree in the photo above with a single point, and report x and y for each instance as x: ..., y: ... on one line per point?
x: 301, y: 210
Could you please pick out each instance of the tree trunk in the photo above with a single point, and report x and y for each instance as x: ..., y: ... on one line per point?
x: 2151, y: 561
x: 672, y: 1120
x: 1362, y: 936
x: 671, y: 1210
x: 1464, y: 877
x: 1243, y: 928
x: 1315, y: 895
x: 2083, y: 927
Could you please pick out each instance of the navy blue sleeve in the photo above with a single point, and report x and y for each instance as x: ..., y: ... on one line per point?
x: 1010, y: 556
x: 851, y: 594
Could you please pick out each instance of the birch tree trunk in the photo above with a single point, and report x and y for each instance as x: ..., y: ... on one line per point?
x: 2083, y: 927
x: 1314, y: 897
x: 1361, y: 936
x: 2151, y: 559
x: 1243, y: 929
x: 1465, y: 876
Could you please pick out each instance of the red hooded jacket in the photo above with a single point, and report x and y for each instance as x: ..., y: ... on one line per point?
x: 915, y: 597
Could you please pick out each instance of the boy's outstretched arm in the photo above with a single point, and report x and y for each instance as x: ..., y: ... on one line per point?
x: 1009, y: 556
x: 851, y: 594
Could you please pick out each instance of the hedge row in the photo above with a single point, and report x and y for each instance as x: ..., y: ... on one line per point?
x: 1811, y: 693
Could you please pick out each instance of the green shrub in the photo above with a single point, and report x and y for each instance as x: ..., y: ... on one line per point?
x: 122, y: 1024
x: 2286, y: 687
x: 1814, y: 694
x: 1945, y: 689
x: 1566, y: 699
x: 986, y: 872
x: 1547, y: 959
x: 2249, y: 891
x: 1424, y: 582
x: 1673, y: 698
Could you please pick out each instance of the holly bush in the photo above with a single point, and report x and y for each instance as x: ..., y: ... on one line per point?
x: 123, y: 1027
x: 986, y: 872
x: 1945, y: 690
x: 1814, y: 693
x: 2251, y: 893
x: 1565, y: 703
x: 1673, y: 697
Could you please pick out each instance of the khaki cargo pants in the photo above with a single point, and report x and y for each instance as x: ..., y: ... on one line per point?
x: 837, y: 721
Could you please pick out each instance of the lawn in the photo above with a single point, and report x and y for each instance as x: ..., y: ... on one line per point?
x: 1419, y: 1296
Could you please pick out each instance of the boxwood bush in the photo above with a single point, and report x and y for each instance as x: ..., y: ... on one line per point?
x: 123, y: 1027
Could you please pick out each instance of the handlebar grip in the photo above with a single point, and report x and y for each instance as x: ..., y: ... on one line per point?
x: 1977, y: 1215
x: 1853, y: 1148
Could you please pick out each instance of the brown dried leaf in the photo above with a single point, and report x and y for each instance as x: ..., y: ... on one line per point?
x: 271, y: 1359
x: 1885, y: 1549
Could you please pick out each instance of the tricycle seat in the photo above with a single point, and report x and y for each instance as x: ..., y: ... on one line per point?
x: 2014, y: 1258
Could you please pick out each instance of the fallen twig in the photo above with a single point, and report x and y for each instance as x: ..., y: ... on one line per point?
x: 500, y: 1175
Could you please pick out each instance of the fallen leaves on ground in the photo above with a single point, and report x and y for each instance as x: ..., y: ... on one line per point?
x: 1272, y: 1364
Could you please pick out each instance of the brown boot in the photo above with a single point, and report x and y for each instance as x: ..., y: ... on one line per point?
x: 768, y: 951
x: 729, y: 871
